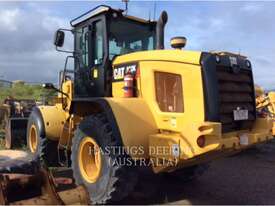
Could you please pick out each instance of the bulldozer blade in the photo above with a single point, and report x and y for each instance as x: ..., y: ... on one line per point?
x: 39, y: 189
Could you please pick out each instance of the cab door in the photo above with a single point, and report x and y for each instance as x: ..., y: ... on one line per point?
x: 91, y: 45
x: 99, y: 58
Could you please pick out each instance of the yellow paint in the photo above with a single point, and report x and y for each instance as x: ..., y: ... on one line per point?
x: 215, y: 141
x: 266, y: 103
x: 183, y: 56
x: 259, y: 90
x: 141, y: 122
x: 89, y: 159
x: 54, y: 118
x: 135, y: 122
x: 173, y: 128
x: 117, y: 88
x: 185, y: 63
x: 271, y: 109
x: 65, y: 101
x: 192, y: 93
x: 33, y: 139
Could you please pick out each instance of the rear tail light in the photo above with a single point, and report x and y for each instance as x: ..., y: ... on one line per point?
x: 201, y: 141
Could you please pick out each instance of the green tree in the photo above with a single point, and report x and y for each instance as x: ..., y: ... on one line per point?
x: 25, y: 91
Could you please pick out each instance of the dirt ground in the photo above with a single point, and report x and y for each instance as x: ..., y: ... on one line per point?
x: 6, y: 155
x: 246, y: 178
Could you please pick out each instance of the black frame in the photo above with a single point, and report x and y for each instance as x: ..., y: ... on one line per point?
x: 209, y: 62
x: 85, y: 85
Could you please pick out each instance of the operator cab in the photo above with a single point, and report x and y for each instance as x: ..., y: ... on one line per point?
x: 99, y: 36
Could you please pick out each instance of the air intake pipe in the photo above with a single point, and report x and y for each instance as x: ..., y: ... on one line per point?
x: 160, y: 29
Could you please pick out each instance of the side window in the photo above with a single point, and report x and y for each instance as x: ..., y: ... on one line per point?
x: 169, y: 92
x: 84, y: 46
x: 98, y: 43
x: 136, y: 45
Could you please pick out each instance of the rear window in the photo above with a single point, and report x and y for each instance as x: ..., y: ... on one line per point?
x: 169, y: 92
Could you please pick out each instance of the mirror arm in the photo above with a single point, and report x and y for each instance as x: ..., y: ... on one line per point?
x: 64, y: 51
x: 58, y: 90
x: 55, y: 89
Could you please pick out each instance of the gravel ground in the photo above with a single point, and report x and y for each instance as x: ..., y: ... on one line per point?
x: 246, y: 178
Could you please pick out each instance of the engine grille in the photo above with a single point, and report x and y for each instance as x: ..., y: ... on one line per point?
x: 236, y: 90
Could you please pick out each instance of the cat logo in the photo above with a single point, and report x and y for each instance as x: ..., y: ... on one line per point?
x: 120, y: 71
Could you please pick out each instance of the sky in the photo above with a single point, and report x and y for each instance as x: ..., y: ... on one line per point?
x: 27, y: 30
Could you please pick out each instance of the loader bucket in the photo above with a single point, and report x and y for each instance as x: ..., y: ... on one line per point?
x: 39, y: 189
x: 15, y: 132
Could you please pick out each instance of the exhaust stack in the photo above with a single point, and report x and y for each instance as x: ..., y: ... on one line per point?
x: 160, y: 29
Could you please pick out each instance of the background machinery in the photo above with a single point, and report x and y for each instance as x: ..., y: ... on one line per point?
x: 14, y: 118
x: 132, y: 103
x: 266, y: 104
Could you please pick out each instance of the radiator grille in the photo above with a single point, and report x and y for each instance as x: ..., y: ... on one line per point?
x: 235, y: 90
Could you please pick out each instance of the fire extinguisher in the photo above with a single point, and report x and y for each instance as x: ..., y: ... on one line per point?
x: 128, y: 85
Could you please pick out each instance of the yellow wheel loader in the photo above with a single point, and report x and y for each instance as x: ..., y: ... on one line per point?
x: 130, y: 103
x: 265, y: 103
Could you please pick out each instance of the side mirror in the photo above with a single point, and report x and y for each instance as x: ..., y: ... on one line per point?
x: 48, y: 86
x: 59, y: 38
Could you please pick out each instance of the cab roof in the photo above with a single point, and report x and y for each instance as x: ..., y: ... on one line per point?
x: 100, y: 10
x: 173, y: 55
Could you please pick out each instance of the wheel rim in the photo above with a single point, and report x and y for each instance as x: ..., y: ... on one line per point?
x: 89, y: 159
x: 33, y: 139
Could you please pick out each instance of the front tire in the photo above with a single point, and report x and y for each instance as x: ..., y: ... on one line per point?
x: 37, y: 142
x: 105, y: 180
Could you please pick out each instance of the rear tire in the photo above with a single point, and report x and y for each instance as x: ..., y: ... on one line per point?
x: 38, y: 144
x: 114, y: 181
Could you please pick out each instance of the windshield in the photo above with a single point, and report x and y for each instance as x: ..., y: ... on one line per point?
x: 127, y: 36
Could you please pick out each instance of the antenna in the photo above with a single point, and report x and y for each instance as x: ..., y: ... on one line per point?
x: 155, y: 8
x: 126, y: 5
x: 239, y: 51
